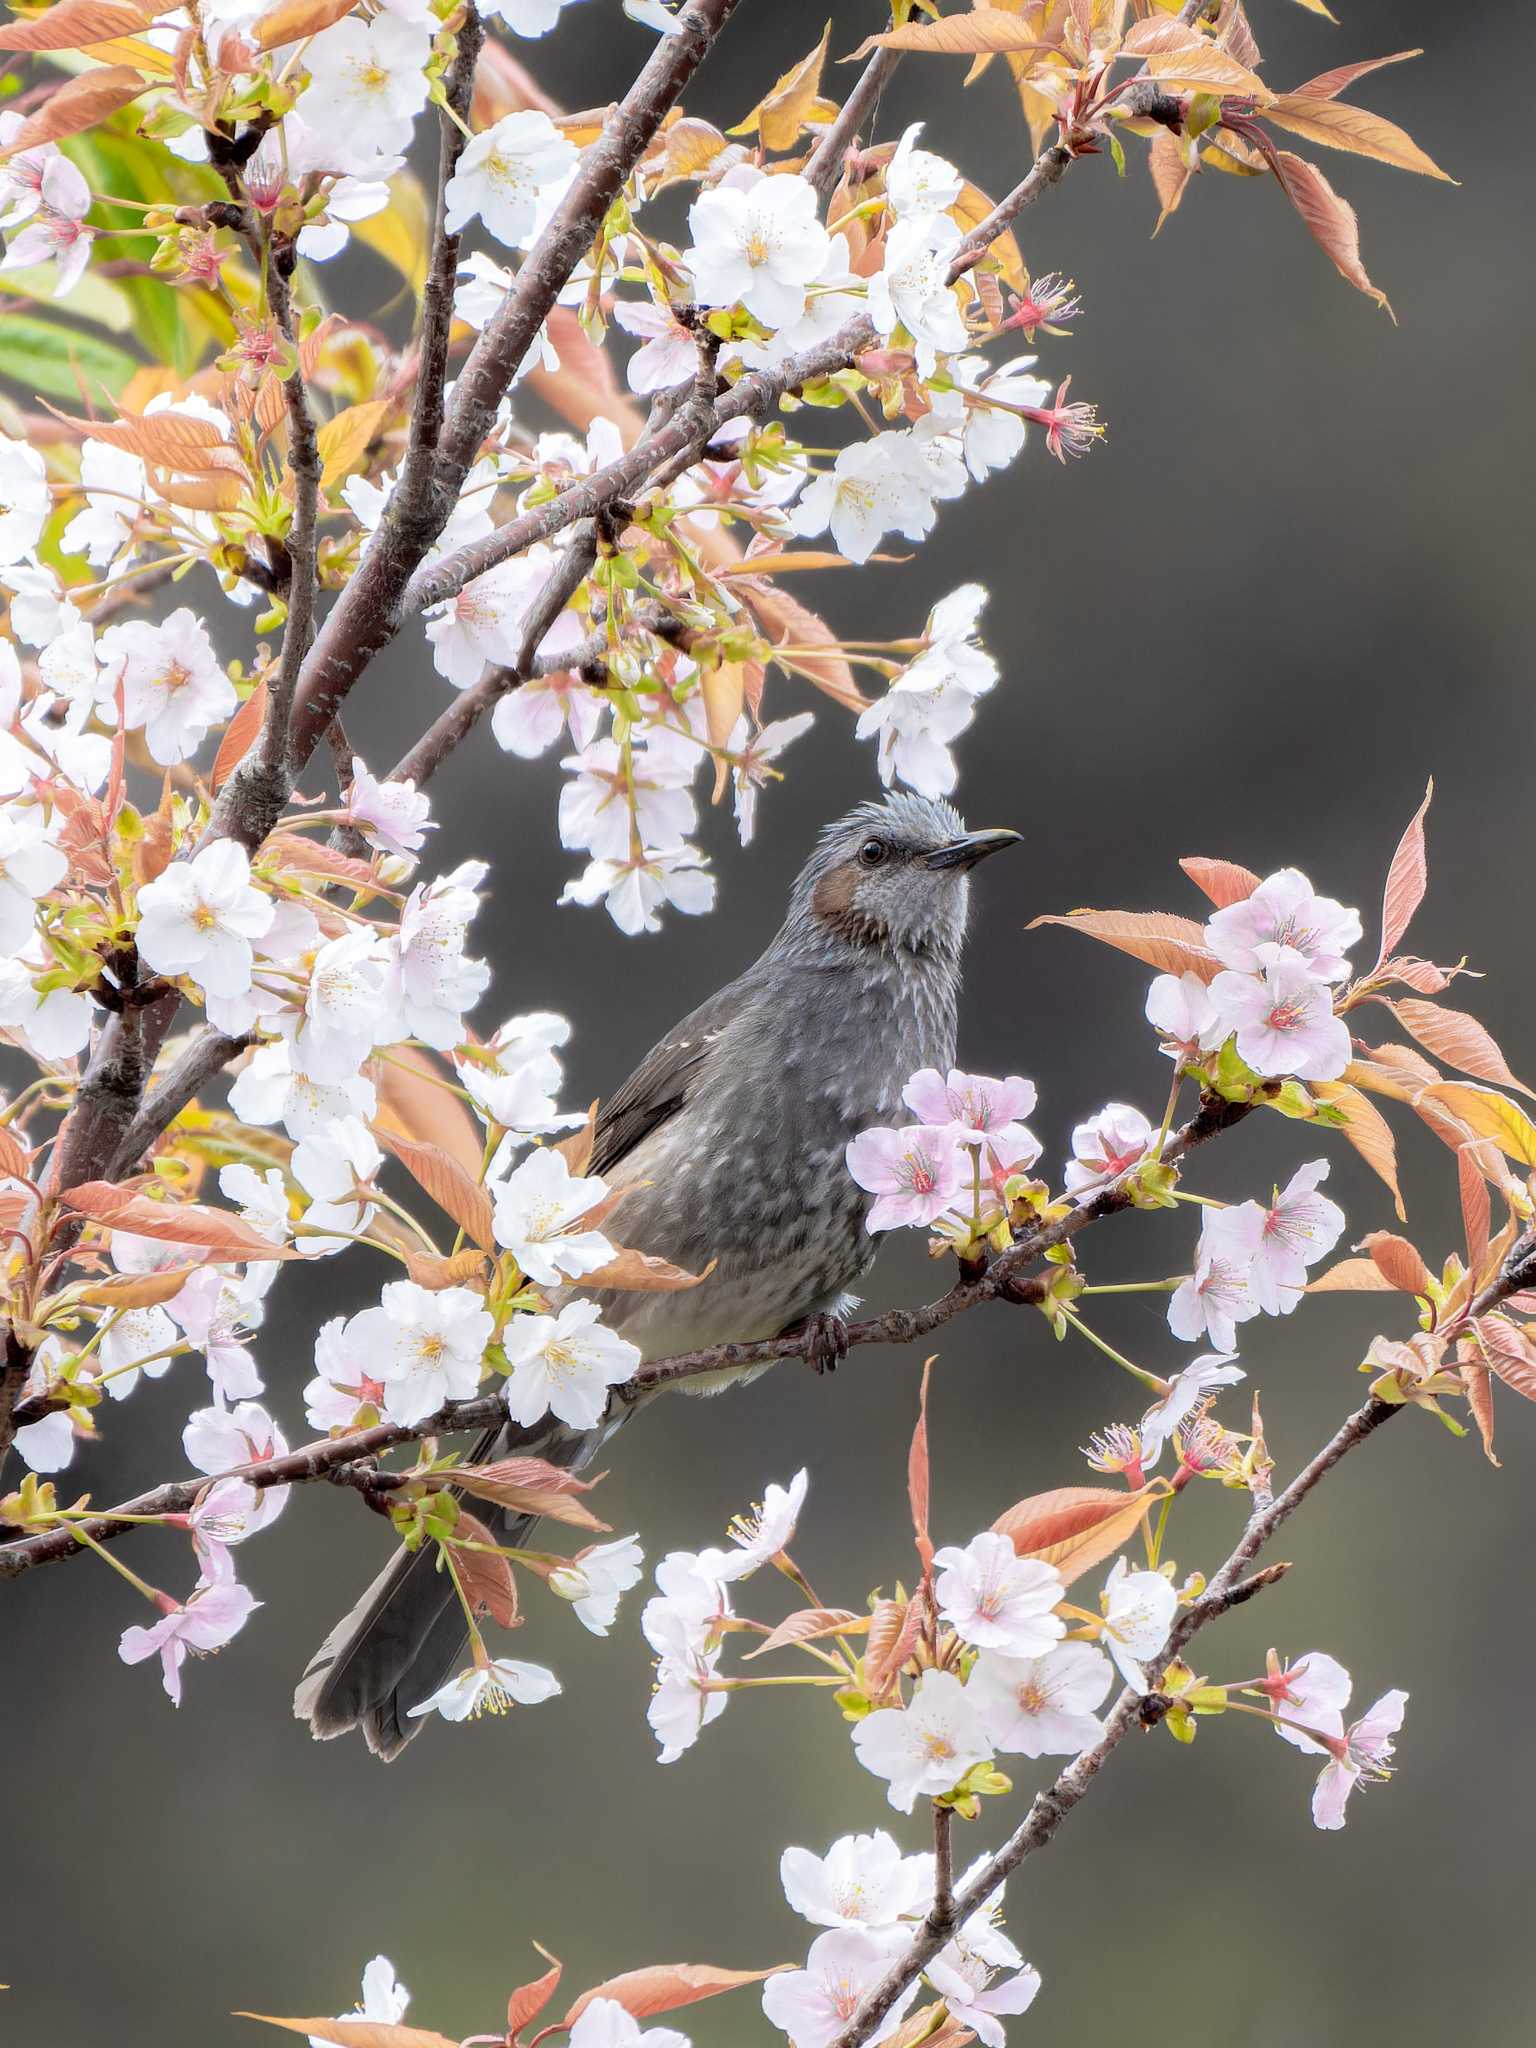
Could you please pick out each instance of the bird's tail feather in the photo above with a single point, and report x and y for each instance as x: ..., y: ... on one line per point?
x: 399, y: 1643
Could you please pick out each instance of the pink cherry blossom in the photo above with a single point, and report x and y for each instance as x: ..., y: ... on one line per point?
x: 395, y: 814
x: 1108, y: 1145
x: 1219, y: 1294
x: 1300, y: 1227
x: 1362, y: 1753
x: 1283, y: 1017
x: 916, y: 1172
x: 1309, y: 1694
x: 813, y: 2006
x: 962, y: 1983
x: 995, y: 1599
x: 215, y: 1614
x: 1186, y: 1390
x: 974, y: 1103
x: 670, y: 354
x: 1283, y: 911
x: 1180, y: 1006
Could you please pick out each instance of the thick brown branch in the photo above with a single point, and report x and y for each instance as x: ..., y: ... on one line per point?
x: 208, y: 1054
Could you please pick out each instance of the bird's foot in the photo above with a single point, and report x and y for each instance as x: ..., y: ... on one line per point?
x: 825, y: 1335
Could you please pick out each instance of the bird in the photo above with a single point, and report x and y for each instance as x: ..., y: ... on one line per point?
x: 730, y: 1138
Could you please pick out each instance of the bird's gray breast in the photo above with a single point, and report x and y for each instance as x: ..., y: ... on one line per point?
x: 751, y: 1173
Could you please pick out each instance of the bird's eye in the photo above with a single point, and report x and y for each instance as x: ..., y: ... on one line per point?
x: 872, y: 852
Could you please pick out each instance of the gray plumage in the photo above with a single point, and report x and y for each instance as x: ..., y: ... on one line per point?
x: 731, y: 1133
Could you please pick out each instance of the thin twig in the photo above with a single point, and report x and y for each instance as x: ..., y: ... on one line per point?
x: 208, y: 1054
x: 825, y: 165
x: 269, y: 757
x: 442, y: 269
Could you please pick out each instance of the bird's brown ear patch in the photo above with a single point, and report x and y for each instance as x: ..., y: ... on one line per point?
x: 832, y: 899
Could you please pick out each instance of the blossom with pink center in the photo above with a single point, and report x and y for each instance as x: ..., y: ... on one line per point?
x: 199, y: 917
x: 1283, y: 1017
x: 927, y: 1746
x: 1104, y: 1148
x: 428, y: 1347
x: 393, y: 814
x: 1300, y: 1227
x: 1362, y: 1753
x: 529, y: 719
x: 1042, y: 1705
x: 976, y: 2002
x: 1185, y: 1391
x: 1219, y: 1294
x: 1180, y: 1006
x: 995, y: 1599
x: 862, y: 1881
x: 670, y: 354
x: 483, y: 622
x: 916, y: 1172
x: 634, y: 889
x: 55, y: 227
x: 174, y: 685
x: 215, y: 1614
x: 1310, y: 1694
x: 216, y: 1315
x: 1284, y: 911
x: 217, y: 1440
x: 343, y: 1385
x: 814, y: 2005
x: 974, y: 1103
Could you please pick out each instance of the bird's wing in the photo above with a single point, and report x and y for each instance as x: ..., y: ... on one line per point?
x: 664, y: 1079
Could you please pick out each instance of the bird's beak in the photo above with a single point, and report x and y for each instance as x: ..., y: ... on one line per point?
x: 974, y: 846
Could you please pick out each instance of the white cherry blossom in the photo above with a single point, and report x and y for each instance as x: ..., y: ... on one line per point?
x: 814, y: 2005
x: 1041, y: 1706
x: 635, y: 889
x: 30, y: 865
x: 173, y: 683
x: 862, y: 1881
x: 759, y: 244
x: 367, y: 82
x: 512, y: 175
x: 564, y: 1365
x: 1138, y: 1609
x: 24, y: 498
x: 927, y: 1746
x: 427, y: 1347
x: 595, y: 1580
x: 490, y: 1688
x: 200, y: 916
x: 997, y: 1600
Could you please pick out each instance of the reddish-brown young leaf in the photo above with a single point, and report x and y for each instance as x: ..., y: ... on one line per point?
x: 1476, y: 1211
x: 356, y: 2033
x: 239, y: 736
x: 1407, y: 879
x: 454, y: 1192
x: 15, y: 1159
x: 486, y: 1578
x: 1170, y: 172
x: 414, y: 1103
x: 1510, y: 1352
x: 170, y: 440
x: 576, y: 1150
x: 293, y: 853
x: 134, y: 1290
x: 529, y: 2000
x: 1368, y: 1131
x: 644, y: 1273
x: 969, y: 35
x: 666, y: 1986
x: 1329, y: 84
x: 1478, y: 1381
x: 1352, y: 1276
x: 789, y: 623
x: 1458, y: 1039
x: 1329, y: 220
x: 152, y: 853
x: 529, y: 1495
x: 78, y: 104
x: 806, y: 1625
x: 1422, y: 976
x: 893, y: 1633
x: 917, y: 1477
x: 1173, y: 945
x: 292, y: 20
x: 74, y: 24
x: 1338, y: 125
x: 1398, y: 1261
x: 1076, y: 1527
x: 465, y: 1269
x: 1223, y: 881
x: 216, y: 1230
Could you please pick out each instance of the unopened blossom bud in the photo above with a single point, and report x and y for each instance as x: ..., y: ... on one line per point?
x: 570, y: 1582
x: 395, y: 870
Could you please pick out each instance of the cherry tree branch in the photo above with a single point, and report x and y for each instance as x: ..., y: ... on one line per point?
x: 442, y: 268
x: 1003, y: 1279
x: 1228, y: 1589
x: 825, y: 164
x: 271, y: 752
x: 208, y: 1054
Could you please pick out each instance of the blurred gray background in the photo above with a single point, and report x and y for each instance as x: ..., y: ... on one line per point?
x: 1294, y: 583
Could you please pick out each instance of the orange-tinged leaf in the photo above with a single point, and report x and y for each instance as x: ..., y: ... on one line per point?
x: 345, y: 439
x: 1407, y: 879
x: 1368, y: 1131
x: 1476, y: 1210
x: 957, y: 35
x: 290, y: 851
x: 1076, y: 1527
x: 551, y: 1504
x: 1329, y: 84
x: 294, y: 19
x: 73, y: 24
x: 79, y: 103
x: 789, y: 623
x: 356, y: 2033
x: 219, y: 492
x: 239, y: 736
x: 134, y: 1290
x: 464, y: 1269
x: 893, y: 1633
x: 724, y: 690
x: 446, y: 1181
x: 782, y: 114
x: 414, y: 1103
x: 170, y: 440
x: 774, y: 561
x: 15, y: 1159
x: 1177, y: 55
x: 1352, y: 1276
x: 806, y: 1625
x: 1478, y: 1381
x: 644, y: 1273
x: 666, y: 1986
x: 1329, y: 220
x: 1223, y: 881
x: 487, y: 1579
x: 917, y: 1476
x: 691, y: 147
x: 529, y: 2000
x: 576, y: 1150
x: 1170, y: 172
x: 1399, y: 1262
x: 1174, y: 945
x: 1338, y: 125
x: 1487, y: 1115
x: 1510, y: 1352
x: 1458, y: 1039
x: 215, y: 1230
x: 970, y: 210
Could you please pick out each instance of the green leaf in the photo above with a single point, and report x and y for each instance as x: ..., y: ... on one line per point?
x: 59, y: 362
